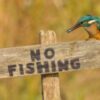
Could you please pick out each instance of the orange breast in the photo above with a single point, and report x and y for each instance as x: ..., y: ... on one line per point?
x: 97, y: 36
x: 94, y: 31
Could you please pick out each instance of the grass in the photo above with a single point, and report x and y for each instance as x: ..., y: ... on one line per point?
x: 20, y: 25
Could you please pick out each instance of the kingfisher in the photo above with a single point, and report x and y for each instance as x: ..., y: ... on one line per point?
x: 91, y: 24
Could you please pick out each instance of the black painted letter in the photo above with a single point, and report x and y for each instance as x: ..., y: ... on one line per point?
x: 30, y: 67
x: 75, y: 64
x: 35, y: 55
x: 53, y: 66
x: 44, y: 66
x: 21, y: 69
x: 62, y: 65
x: 49, y: 53
x: 11, y: 69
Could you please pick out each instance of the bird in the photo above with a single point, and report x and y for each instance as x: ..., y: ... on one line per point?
x: 91, y: 24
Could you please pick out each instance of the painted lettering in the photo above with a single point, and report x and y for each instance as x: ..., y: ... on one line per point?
x: 11, y: 69
x: 35, y: 55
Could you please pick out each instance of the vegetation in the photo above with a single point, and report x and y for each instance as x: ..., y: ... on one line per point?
x: 20, y: 23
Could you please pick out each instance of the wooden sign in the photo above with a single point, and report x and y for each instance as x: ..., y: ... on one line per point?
x: 45, y: 59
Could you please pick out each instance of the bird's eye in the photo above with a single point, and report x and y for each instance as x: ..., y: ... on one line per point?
x: 82, y: 22
x: 85, y: 24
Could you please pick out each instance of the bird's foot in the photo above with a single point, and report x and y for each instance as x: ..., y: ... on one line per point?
x: 88, y: 39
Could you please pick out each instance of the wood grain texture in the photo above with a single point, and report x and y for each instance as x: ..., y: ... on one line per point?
x: 50, y: 82
x: 88, y: 53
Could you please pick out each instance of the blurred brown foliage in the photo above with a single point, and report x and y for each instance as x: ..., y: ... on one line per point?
x: 20, y: 23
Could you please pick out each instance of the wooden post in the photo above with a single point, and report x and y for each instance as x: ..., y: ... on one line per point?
x: 50, y: 82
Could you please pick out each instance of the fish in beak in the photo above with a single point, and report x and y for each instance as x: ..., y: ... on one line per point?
x: 77, y: 25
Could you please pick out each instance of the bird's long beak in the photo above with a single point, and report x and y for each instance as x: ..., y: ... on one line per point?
x: 77, y: 25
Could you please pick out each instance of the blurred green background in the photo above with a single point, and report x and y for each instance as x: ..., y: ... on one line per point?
x: 20, y: 23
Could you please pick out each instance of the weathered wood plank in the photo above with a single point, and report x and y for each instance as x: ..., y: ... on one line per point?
x: 67, y: 56
x: 50, y: 82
